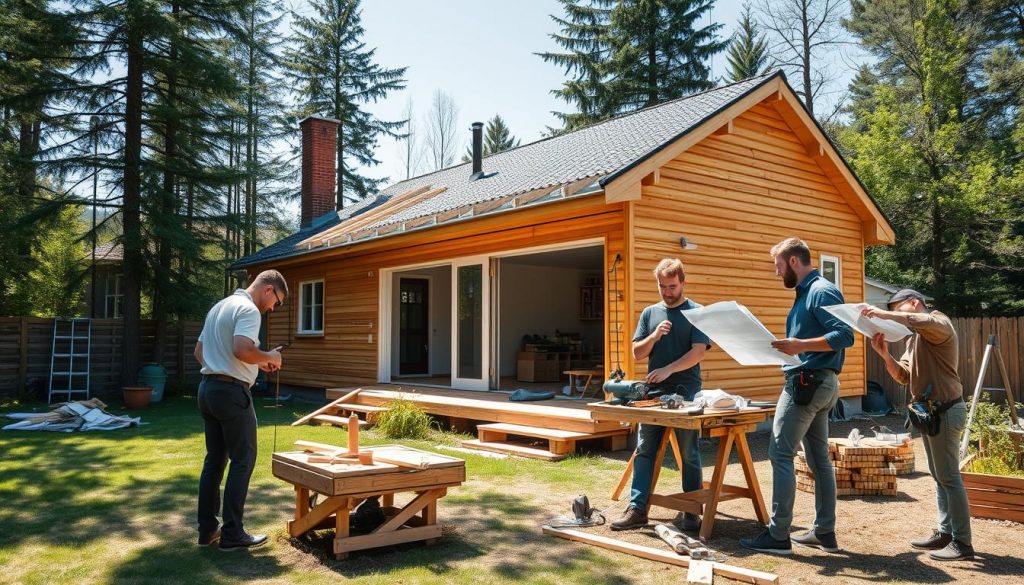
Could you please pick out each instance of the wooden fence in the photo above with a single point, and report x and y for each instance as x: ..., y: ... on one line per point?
x: 26, y: 344
x: 973, y: 334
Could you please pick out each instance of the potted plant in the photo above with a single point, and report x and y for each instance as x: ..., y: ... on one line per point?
x: 137, y: 397
x: 993, y: 472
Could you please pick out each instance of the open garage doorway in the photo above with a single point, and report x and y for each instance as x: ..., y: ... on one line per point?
x: 550, y: 318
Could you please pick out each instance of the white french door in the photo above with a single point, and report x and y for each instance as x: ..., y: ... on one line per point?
x: 471, y: 330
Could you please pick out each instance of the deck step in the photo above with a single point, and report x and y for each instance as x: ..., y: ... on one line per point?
x: 547, y: 433
x: 340, y: 421
x: 514, y: 449
x: 361, y: 408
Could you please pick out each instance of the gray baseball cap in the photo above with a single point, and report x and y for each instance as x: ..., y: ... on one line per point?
x: 905, y: 295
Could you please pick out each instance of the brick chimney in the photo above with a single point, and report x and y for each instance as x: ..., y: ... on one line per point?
x: 319, y: 176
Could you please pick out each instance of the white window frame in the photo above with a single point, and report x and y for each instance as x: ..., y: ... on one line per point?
x: 117, y: 295
x: 839, y: 268
x: 302, y: 307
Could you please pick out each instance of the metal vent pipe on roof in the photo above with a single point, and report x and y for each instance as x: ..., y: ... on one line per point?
x: 478, y: 150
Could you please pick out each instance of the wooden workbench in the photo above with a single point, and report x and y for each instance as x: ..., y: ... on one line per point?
x: 731, y: 428
x: 345, y: 486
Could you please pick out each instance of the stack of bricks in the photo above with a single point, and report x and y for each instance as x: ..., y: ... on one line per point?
x: 869, y: 469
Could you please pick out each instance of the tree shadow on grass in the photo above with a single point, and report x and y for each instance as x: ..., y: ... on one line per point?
x: 183, y: 562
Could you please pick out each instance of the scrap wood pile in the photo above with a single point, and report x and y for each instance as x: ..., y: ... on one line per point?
x: 81, y: 415
x: 868, y: 468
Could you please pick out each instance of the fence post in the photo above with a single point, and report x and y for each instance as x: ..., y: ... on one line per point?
x: 181, y: 351
x: 23, y: 356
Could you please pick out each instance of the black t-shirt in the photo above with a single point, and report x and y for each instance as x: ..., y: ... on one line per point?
x: 672, y: 346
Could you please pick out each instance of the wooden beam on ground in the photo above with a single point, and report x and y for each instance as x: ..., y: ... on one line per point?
x: 654, y: 554
x: 346, y: 398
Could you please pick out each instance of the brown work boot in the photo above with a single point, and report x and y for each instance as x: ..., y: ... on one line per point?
x: 937, y: 541
x: 631, y: 519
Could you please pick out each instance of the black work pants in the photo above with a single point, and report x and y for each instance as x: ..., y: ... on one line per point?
x: 230, y: 422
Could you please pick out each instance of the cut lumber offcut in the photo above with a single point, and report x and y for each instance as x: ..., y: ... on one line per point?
x: 400, y: 458
x: 645, y: 552
x: 324, y: 410
x: 701, y: 572
x: 313, y: 447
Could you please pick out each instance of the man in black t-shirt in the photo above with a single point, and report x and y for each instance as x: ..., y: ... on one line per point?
x: 674, y: 349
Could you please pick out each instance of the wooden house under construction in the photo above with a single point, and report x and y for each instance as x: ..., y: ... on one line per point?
x: 447, y: 280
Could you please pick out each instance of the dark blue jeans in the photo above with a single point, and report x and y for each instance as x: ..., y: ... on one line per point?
x: 648, y: 439
x: 230, y: 422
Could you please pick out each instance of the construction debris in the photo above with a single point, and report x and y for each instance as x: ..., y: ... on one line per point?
x: 869, y: 468
x: 81, y: 415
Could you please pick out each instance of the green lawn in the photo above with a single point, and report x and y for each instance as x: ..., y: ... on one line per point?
x: 119, y: 507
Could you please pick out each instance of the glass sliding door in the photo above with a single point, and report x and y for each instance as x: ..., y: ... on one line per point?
x: 470, y: 318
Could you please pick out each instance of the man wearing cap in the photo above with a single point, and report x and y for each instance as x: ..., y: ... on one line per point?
x: 810, y: 392
x: 229, y: 353
x: 929, y: 366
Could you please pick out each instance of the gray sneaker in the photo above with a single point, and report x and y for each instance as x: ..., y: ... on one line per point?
x: 766, y: 543
x: 687, y: 522
x: 632, y: 518
x: 826, y: 541
x: 954, y: 551
x: 937, y: 541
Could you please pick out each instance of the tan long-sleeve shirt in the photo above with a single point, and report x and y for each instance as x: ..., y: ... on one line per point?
x: 931, y: 356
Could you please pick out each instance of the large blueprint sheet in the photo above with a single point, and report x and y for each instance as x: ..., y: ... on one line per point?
x: 738, y: 332
x: 849, y: 313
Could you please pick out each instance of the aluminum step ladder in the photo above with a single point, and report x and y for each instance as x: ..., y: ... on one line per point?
x: 70, y: 358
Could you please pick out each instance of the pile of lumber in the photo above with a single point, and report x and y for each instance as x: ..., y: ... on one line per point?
x: 868, y: 469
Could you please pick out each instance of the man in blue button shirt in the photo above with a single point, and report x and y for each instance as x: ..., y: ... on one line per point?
x: 673, y: 348
x: 811, y: 389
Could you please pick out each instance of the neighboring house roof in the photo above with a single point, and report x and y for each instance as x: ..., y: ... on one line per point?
x: 573, y: 164
x: 109, y: 252
x: 890, y: 288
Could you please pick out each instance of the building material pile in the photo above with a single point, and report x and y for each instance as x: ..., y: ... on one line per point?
x: 82, y: 415
x: 869, y: 468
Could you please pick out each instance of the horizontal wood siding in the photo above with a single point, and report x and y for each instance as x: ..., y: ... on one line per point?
x: 347, y: 351
x: 736, y: 195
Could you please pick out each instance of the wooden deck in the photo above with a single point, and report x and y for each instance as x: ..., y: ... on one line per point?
x: 559, y: 423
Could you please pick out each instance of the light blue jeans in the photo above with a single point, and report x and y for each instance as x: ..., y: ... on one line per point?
x: 943, y: 452
x: 808, y: 424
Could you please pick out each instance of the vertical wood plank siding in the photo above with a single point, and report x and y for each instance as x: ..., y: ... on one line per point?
x: 346, y: 353
x: 736, y: 195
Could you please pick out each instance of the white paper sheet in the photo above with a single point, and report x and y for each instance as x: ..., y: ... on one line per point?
x: 849, y: 313
x: 738, y: 332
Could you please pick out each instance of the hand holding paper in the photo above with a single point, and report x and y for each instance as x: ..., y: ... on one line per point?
x: 738, y: 332
x: 850, y: 313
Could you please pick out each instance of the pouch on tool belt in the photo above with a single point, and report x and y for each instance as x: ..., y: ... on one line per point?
x: 804, y: 386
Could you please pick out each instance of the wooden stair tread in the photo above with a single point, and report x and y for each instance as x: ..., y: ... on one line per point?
x: 361, y: 408
x: 514, y: 449
x: 547, y: 433
x: 339, y: 421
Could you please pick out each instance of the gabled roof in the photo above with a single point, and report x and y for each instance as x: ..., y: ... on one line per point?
x: 579, y: 163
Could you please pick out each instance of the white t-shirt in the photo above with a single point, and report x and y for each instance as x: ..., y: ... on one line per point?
x: 234, y: 315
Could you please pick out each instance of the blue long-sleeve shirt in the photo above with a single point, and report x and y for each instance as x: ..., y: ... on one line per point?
x: 808, y: 319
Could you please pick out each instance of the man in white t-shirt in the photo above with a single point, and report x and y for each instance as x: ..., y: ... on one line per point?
x: 228, y: 351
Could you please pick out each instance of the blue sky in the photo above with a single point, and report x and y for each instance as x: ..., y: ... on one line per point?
x: 481, y: 52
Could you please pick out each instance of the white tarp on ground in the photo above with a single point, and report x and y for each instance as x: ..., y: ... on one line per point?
x: 849, y: 313
x: 82, y: 415
x: 738, y: 332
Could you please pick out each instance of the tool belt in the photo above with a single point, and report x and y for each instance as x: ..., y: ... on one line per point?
x: 924, y: 415
x: 806, y: 383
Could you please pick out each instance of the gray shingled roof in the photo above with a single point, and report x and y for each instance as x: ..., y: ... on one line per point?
x: 596, y: 151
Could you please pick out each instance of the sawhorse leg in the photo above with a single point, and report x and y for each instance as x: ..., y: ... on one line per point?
x: 668, y: 438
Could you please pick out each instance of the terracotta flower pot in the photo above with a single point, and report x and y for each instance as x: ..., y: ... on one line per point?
x: 137, y: 397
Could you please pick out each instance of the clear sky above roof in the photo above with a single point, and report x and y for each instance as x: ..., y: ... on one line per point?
x: 482, y: 53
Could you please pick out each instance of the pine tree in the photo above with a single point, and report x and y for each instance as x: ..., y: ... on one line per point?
x: 497, y: 138
x: 335, y: 75
x: 631, y: 54
x: 748, y: 50
x: 584, y: 35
